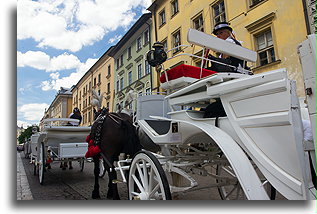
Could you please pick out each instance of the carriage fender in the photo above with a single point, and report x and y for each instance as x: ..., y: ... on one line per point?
x: 239, y: 161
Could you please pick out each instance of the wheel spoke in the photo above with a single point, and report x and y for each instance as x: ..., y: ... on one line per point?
x: 138, y: 183
x: 135, y: 193
x: 238, y: 192
x: 154, y: 190
x: 151, y: 177
x: 141, y: 174
x: 145, y: 180
x: 228, y: 171
x: 229, y: 193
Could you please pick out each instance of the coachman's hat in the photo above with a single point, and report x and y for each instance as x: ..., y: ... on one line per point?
x: 220, y: 26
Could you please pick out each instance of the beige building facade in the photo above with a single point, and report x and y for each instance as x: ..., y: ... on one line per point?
x: 99, y: 78
x: 61, y: 106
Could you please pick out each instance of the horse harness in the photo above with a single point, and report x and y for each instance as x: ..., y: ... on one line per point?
x: 100, y: 120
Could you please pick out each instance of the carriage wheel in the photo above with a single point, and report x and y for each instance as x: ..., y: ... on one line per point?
x: 230, y: 188
x: 102, y: 168
x: 147, y: 180
x: 41, y: 163
x: 81, y: 165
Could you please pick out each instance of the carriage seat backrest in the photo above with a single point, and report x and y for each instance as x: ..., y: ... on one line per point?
x: 211, y: 42
x: 151, y: 105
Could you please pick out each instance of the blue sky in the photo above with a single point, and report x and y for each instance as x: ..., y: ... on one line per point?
x: 59, y: 40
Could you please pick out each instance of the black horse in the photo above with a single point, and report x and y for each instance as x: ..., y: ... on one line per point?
x: 115, y: 134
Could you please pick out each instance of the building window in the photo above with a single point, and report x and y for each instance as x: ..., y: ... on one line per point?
x: 198, y: 23
x: 121, y: 60
x: 148, y: 91
x: 146, y: 37
x: 265, y: 48
x: 174, y: 5
x: 99, y: 78
x: 164, y: 42
x: 117, y: 86
x: 130, y: 77
x: 121, y: 84
x: 95, y: 82
x: 118, y: 63
x: 139, y: 43
x: 129, y: 53
x: 108, y: 88
x: 255, y: 2
x: 219, y: 13
x: 176, y: 41
x: 162, y: 19
x: 109, y: 70
x: 139, y: 71
x: 147, y: 67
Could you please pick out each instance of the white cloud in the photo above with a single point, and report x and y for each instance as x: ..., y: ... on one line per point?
x: 64, y: 61
x: 23, y: 124
x: 55, y: 83
x: 42, y: 61
x: 35, y: 59
x: 54, y: 76
x: 72, y: 24
x: 33, y: 111
x: 114, y: 39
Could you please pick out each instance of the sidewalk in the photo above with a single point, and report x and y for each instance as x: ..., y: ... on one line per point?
x: 23, y: 188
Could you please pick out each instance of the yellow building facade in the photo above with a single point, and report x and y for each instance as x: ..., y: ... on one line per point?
x: 100, y: 78
x: 272, y: 28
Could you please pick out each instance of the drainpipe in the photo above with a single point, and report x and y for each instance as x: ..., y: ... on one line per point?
x: 151, y: 78
x: 306, y: 17
x: 154, y: 17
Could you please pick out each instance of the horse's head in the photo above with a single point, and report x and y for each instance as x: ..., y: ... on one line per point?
x: 100, y: 111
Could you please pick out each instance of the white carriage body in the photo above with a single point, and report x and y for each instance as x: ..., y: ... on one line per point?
x: 64, y: 141
x: 263, y: 122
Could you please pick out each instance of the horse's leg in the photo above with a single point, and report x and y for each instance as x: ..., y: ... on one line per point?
x: 70, y: 165
x: 95, y: 192
x: 113, y: 188
x: 110, y: 190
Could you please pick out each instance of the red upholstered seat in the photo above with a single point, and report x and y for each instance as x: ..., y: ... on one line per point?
x: 185, y: 71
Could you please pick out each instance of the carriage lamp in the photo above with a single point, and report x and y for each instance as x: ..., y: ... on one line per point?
x: 157, y: 56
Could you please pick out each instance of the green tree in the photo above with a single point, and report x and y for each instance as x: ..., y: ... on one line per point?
x: 26, y: 134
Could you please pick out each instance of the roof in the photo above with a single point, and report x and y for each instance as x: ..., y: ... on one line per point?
x: 131, y: 31
x: 154, y: 4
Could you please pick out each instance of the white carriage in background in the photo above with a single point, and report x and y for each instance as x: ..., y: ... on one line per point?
x: 57, y: 141
x: 260, y: 143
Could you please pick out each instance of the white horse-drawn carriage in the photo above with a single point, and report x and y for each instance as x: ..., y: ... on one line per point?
x: 258, y: 144
x: 58, y: 141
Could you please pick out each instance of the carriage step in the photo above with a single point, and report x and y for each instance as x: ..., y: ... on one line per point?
x: 116, y: 181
